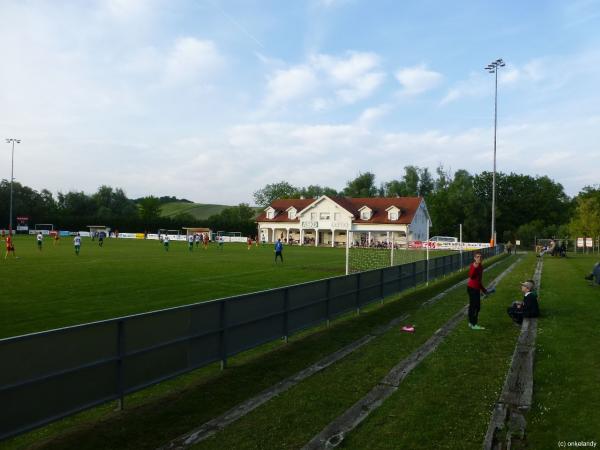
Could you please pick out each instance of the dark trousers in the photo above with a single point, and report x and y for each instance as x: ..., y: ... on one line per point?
x: 474, y: 304
x: 516, y: 314
x: 280, y: 255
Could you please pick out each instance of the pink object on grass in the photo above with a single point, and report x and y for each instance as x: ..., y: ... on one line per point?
x: 408, y: 328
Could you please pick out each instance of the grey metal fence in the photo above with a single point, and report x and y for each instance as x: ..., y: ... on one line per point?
x: 50, y: 375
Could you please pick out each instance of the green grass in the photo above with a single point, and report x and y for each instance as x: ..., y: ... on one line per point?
x: 54, y: 288
x: 292, y: 419
x: 155, y: 415
x: 199, y: 211
x: 567, y: 369
x: 444, y: 403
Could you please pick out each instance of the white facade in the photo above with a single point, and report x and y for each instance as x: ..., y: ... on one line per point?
x: 325, y: 222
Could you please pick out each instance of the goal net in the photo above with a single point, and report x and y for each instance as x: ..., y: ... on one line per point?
x: 375, y: 250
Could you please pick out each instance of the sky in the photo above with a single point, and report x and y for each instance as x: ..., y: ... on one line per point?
x: 211, y: 100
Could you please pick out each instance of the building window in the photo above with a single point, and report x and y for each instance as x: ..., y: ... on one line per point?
x: 324, y: 216
x: 365, y: 215
x: 313, y: 216
x: 270, y: 214
x: 291, y: 214
x: 393, y: 215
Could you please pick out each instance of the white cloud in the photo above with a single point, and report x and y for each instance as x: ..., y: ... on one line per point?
x: 417, y: 80
x: 350, y: 78
x: 126, y: 9
x: 476, y: 85
x: 192, y: 60
x: 291, y: 84
x: 370, y: 115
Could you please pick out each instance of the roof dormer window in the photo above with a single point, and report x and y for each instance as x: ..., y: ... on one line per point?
x: 270, y: 213
x: 393, y: 213
x: 365, y: 213
x: 292, y: 213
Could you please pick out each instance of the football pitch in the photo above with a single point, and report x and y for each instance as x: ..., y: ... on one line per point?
x: 54, y: 288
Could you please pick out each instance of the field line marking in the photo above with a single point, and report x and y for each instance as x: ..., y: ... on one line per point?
x: 334, y: 433
x: 517, y: 392
x: 218, y: 423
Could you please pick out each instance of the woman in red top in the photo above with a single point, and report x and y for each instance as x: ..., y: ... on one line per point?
x: 475, y: 288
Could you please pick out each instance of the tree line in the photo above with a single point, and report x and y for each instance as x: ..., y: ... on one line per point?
x: 109, y: 206
x: 526, y: 206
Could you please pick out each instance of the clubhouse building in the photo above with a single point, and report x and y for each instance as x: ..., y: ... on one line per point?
x: 327, y: 221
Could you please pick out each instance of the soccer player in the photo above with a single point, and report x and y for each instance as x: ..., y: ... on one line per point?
x: 205, y: 241
x: 40, y: 240
x: 249, y: 243
x: 166, y: 242
x: 197, y: 239
x: 191, y: 242
x: 56, y: 237
x: 10, y: 247
x: 101, y: 236
x: 474, y: 289
x: 221, y: 242
x: 77, y: 243
x: 278, y: 250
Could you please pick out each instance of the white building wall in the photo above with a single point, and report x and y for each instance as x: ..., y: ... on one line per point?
x: 314, y: 217
x: 420, y: 223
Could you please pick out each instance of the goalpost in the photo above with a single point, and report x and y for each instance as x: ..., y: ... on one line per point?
x: 375, y: 250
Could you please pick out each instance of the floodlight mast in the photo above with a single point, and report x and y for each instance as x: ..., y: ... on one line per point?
x: 12, y: 169
x: 493, y: 67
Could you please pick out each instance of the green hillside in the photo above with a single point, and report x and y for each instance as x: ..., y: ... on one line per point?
x: 197, y: 210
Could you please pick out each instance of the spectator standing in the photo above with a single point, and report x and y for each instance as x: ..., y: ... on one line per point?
x: 474, y: 289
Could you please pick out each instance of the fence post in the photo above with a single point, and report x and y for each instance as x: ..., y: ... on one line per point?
x: 120, y: 353
x: 285, y: 314
x: 358, y: 293
x: 223, y: 334
x: 327, y: 300
x: 399, y: 279
x: 381, y: 284
x: 414, y: 275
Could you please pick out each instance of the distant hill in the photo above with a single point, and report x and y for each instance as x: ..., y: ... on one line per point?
x: 198, y: 210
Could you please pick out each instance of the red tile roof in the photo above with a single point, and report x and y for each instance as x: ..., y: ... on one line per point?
x: 407, y: 205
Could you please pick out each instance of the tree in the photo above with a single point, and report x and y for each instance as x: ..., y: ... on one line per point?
x: 265, y: 196
x: 586, y: 220
x: 235, y: 218
x: 149, y: 209
x: 315, y: 191
x: 362, y: 186
x: 426, y: 184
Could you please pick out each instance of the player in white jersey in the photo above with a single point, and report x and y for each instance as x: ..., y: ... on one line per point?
x: 191, y: 242
x: 77, y: 243
x: 40, y: 240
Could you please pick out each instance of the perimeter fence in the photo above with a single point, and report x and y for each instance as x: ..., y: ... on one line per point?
x: 50, y: 375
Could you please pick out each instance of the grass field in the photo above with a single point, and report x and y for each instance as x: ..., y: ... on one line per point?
x: 445, y: 403
x: 55, y: 288
x: 164, y: 411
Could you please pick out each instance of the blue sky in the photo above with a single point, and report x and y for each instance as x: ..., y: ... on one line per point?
x: 212, y: 100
